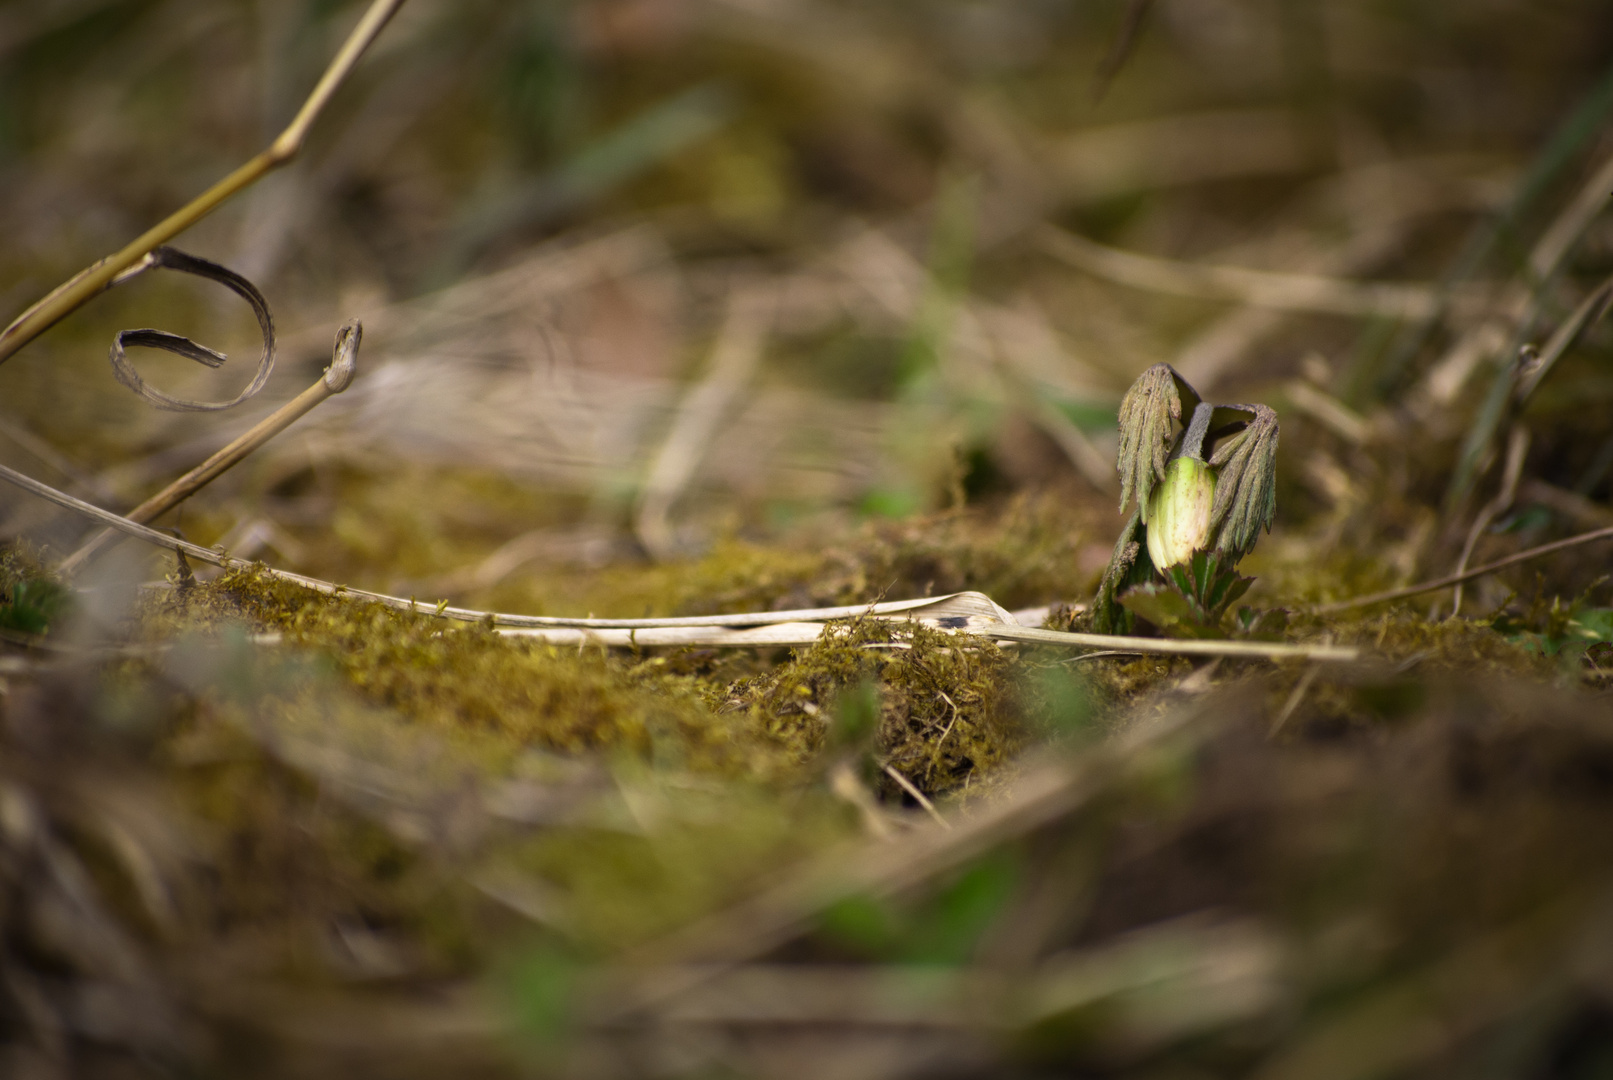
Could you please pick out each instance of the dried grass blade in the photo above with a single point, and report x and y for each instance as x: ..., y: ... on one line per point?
x: 739, y: 346
x: 168, y: 258
x: 1468, y: 575
x: 1259, y: 288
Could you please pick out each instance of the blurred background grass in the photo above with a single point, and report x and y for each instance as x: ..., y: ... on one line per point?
x: 541, y: 212
x: 677, y: 306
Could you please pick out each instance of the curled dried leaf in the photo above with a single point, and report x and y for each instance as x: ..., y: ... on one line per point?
x: 167, y: 258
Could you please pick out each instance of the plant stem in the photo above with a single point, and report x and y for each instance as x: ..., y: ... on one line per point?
x: 82, y: 287
x: 333, y: 381
x: 1466, y: 575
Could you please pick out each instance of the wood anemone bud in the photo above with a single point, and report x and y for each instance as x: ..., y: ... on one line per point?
x: 1178, y: 512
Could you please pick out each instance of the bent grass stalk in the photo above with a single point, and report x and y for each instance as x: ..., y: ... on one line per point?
x: 335, y: 379
x: 1467, y: 575
x: 91, y: 281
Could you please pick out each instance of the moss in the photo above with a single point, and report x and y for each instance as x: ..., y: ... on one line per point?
x: 947, y: 712
x: 466, y: 680
x: 692, y: 850
x: 32, y: 596
x: 1404, y: 637
x: 946, y: 708
x: 1023, y: 552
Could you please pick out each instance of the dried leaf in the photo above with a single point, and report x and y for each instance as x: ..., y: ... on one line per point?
x: 168, y: 258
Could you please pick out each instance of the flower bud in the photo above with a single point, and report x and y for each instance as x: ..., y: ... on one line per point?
x: 1178, y: 512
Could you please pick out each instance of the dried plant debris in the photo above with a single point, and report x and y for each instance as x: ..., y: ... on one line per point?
x: 366, y: 806
x: 251, y: 831
x: 942, y: 709
x: 1208, y: 901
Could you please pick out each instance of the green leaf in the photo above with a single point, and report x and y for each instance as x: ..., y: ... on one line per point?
x: 1148, y: 414
x: 35, y: 604
x: 1246, y: 485
x: 1203, y: 568
x: 1261, y: 625
x: 1170, y: 610
x: 950, y: 927
x: 1230, y: 591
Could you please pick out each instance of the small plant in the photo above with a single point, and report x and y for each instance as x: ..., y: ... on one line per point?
x: 1204, y: 477
x: 1193, y: 599
x: 34, y: 604
x: 1568, y: 630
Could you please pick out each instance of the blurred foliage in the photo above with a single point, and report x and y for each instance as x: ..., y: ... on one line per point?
x: 247, y: 830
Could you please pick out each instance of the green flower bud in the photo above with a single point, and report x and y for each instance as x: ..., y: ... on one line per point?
x: 1178, y: 512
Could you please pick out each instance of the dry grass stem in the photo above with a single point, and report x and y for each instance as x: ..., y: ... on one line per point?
x: 1295, y: 697
x: 1468, y: 575
x: 739, y: 346
x: 1175, y: 151
x: 335, y: 379
x: 1517, y: 450
x: 1518, y: 311
x: 1569, y: 226
x: 79, y: 289
x: 1259, y: 288
x: 1168, y: 647
x: 918, y: 796
x: 1589, y: 312
x: 1328, y: 411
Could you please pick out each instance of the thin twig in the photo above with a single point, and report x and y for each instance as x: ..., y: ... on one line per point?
x: 335, y: 379
x: 1166, y: 647
x: 1517, y: 450
x: 739, y: 345
x: 1261, y: 288
x: 1292, y: 704
x: 918, y: 796
x: 79, y: 289
x: 1469, y: 575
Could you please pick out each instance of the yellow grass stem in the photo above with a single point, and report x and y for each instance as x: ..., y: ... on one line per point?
x: 78, y: 290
